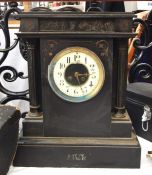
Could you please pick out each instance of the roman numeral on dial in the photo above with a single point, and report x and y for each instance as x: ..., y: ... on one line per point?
x: 68, y: 59
x: 62, y: 65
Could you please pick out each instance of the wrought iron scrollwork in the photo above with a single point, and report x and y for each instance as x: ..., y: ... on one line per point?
x: 11, y: 47
x: 141, y: 69
x: 137, y: 44
x: 95, y: 6
x: 142, y: 72
x: 5, y: 29
x: 8, y: 73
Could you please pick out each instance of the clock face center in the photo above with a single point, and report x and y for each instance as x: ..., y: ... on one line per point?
x: 76, y: 74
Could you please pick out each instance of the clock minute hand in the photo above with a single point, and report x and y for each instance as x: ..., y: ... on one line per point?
x: 76, y: 74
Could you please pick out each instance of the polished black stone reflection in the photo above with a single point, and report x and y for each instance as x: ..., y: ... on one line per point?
x: 76, y: 74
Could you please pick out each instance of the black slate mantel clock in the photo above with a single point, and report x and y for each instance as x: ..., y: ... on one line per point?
x: 77, y: 78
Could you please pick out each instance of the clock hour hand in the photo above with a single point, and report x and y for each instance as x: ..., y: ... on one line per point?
x: 85, y: 74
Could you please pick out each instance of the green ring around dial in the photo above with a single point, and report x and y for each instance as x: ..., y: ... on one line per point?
x: 64, y: 96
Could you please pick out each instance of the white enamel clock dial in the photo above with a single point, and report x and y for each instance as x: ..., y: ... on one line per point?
x: 76, y: 74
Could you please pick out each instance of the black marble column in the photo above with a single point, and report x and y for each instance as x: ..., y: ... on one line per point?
x: 33, y: 79
x: 122, y: 60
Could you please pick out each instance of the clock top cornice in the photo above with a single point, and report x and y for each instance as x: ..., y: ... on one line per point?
x: 75, y: 15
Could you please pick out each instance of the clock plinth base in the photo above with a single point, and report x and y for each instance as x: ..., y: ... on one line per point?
x: 33, y: 127
x: 78, y: 152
